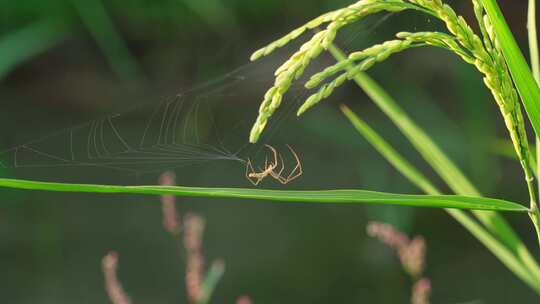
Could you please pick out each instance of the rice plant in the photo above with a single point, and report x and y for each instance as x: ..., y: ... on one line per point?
x: 484, y: 53
x: 492, y: 51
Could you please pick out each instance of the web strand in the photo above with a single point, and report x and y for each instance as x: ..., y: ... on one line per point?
x: 184, y: 130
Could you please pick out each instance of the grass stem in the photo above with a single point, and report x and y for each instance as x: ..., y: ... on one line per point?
x: 495, y: 223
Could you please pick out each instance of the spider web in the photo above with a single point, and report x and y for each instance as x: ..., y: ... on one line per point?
x: 151, y: 138
x: 184, y: 130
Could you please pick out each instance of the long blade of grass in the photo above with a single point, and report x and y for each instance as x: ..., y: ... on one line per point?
x: 535, y: 63
x: 533, y: 40
x: 215, y: 14
x: 507, y: 257
x: 388, y: 152
x: 418, y: 179
x: 521, y: 74
x: 98, y: 22
x: 441, y: 164
x: 452, y: 176
x: 455, y: 179
x: 316, y: 196
x: 23, y: 44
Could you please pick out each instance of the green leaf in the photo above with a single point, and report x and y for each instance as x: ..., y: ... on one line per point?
x: 422, y: 142
x: 95, y: 17
x: 317, y: 196
x: 388, y: 152
x: 22, y: 45
x: 456, y: 180
x: 525, y: 270
x: 533, y: 39
x: 521, y: 74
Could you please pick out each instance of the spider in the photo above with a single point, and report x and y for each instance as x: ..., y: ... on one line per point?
x: 271, y: 169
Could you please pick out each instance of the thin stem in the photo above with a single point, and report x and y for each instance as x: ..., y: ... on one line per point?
x: 533, y: 40
x: 537, y: 160
x: 430, y: 151
x: 535, y: 65
x: 534, y: 213
x: 535, y: 59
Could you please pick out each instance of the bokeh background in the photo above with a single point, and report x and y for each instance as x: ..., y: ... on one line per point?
x: 65, y: 62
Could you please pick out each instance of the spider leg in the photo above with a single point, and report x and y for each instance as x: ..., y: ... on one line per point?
x: 275, y: 154
x: 282, y: 180
x: 297, y: 171
x: 249, y: 169
x: 277, y: 175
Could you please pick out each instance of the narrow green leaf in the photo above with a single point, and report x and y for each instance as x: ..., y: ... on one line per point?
x: 523, y: 79
x: 433, y: 155
x: 507, y: 257
x: 533, y: 39
x: 418, y: 138
x: 444, y: 167
x: 95, y: 17
x: 317, y: 196
x: 388, y: 152
x: 523, y: 270
x: 535, y: 64
x: 22, y: 45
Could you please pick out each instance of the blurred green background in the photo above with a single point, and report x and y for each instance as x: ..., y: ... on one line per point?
x: 65, y: 62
